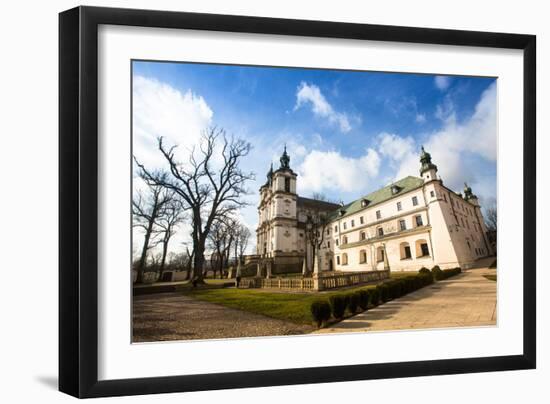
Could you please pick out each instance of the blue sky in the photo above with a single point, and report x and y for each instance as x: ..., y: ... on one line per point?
x: 348, y: 133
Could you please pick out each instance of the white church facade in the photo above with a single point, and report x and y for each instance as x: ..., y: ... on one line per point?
x: 412, y: 223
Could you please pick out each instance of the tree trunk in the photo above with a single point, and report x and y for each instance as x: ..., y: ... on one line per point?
x: 198, y: 266
x: 164, y: 252
x: 143, y: 258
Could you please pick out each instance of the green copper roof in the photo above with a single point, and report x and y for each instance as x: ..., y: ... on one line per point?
x: 382, y: 195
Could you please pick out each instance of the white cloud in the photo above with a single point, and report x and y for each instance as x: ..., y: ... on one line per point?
x: 395, y: 147
x: 162, y: 110
x: 442, y: 82
x: 451, y: 145
x: 330, y: 171
x: 311, y: 94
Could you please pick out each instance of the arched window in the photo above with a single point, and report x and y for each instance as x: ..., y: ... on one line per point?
x: 422, y: 249
x: 380, y: 254
x: 363, y: 235
x: 344, y: 259
x: 380, y: 231
x: 405, y: 251
x: 345, y: 240
x: 363, y: 256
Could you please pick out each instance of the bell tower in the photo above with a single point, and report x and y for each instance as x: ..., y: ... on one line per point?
x: 284, y: 179
x: 428, y: 170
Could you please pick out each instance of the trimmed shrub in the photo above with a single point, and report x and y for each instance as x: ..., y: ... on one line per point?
x: 353, y: 302
x: 424, y: 270
x: 338, y: 305
x: 320, y: 311
x: 384, y: 290
x: 364, y: 297
x: 447, y: 273
x: 437, y: 273
x: 374, y: 296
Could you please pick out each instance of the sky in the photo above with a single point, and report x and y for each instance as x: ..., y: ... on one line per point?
x: 348, y: 133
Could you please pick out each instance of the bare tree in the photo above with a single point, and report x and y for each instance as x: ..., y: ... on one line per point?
x: 319, y: 196
x: 242, y: 237
x: 221, y: 238
x: 491, y: 217
x: 316, y: 225
x: 170, y: 217
x: 209, y: 193
x: 146, y: 209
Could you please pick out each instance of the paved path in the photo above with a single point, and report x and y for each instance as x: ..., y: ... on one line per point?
x: 173, y: 316
x: 465, y: 300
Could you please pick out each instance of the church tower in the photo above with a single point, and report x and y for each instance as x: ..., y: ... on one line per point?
x: 428, y: 170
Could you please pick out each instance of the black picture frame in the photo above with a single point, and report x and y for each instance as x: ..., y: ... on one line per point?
x: 78, y: 201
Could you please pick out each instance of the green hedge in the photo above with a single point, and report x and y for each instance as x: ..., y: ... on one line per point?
x: 447, y: 273
x: 364, y: 298
x: 437, y: 273
x: 353, y: 302
x: 338, y: 305
x: 374, y: 296
x: 320, y: 311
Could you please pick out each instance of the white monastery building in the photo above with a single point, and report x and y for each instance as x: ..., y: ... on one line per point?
x: 412, y: 223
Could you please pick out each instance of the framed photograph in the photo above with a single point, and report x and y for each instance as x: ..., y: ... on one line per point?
x: 251, y: 201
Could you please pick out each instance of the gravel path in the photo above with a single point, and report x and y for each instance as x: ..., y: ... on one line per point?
x: 173, y: 316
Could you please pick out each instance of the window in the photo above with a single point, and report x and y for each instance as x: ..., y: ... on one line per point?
x: 336, y: 229
x: 328, y: 245
x: 378, y: 214
x: 363, y: 256
x: 415, y: 201
x: 380, y: 254
x: 380, y: 231
x: 337, y: 260
x: 344, y: 259
x: 287, y: 184
x: 399, y: 206
x: 425, y: 250
x: 361, y: 220
x: 402, y: 225
x: 432, y: 194
x: 405, y: 251
x: 422, y: 249
x: 328, y: 231
x: 336, y: 241
x: 345, y: 240
x: 418, y: 220
x: 364, y: 203
x: 352, y: 223
x: 363, y: 235
x: 345, y: 225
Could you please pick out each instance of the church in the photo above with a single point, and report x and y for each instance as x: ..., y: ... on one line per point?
x: 412, y: 223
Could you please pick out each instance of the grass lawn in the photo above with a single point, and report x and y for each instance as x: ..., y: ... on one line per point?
x: 491, y: 277
x: 293, y: 307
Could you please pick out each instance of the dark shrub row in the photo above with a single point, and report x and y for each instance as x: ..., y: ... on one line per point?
x: 447, y: 273
x: 360, y: 300
x: 320, y: 311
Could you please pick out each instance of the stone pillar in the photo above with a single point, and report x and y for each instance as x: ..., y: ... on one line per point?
x: 316, y: 264
x: 268, y: 265
x: 304, y: 266
x: 386, y: 262
x: 259, y: 269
